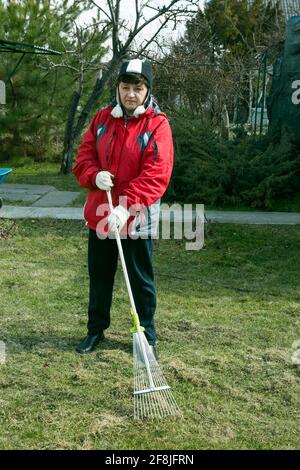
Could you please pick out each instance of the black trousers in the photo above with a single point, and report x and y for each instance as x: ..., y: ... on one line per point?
x: 102, y: 263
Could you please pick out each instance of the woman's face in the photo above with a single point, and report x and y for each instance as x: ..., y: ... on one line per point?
x: 132, y: 95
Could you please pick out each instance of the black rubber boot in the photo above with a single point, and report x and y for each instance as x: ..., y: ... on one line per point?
x: 89, y: 343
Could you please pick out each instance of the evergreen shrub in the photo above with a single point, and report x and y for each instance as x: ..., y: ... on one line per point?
x: 248, y: 171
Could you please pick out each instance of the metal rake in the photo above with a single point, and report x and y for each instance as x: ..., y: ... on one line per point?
x: 152, y: 395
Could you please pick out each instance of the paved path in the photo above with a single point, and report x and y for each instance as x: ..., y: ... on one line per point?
x: 18, y: 212
x: 74, y: 213
x: 38, y: 195
x: 238, y: 217
x: 48, y: 202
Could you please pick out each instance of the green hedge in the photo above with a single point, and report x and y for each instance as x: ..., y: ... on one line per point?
x: 247, y: 170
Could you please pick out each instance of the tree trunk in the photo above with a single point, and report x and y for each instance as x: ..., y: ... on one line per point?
x: 225, y: 123
x: 72, y: 130
x: 67, y: 158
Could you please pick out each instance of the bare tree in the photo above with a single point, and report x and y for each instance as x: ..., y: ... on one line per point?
x: 80, y: 65
x: 124, y: 44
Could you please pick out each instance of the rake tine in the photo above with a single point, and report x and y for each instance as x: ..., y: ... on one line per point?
x: 156, y: 402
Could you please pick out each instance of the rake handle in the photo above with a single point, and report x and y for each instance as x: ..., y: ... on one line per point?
x: 138, y: 327
x: 118, y: 239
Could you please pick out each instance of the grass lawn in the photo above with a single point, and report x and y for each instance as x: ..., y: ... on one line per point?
x: 227, y: 317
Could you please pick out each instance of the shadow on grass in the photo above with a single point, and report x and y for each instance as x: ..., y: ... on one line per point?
x: 17, y: 344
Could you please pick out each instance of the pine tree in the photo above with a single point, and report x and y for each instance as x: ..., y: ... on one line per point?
x: 39, y: 87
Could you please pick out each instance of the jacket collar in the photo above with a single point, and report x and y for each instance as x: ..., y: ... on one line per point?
x: 118, y: 110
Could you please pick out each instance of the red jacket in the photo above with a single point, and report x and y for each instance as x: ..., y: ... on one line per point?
x: 138, y: 152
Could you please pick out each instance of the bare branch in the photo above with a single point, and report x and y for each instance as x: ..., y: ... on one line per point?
x: 93, y: 25
x: 138, y: 12
x: 57, y: 66
x: 101, y: 9
x: 115, y: 16
x: 160, y: 12
x: 141, y: 51
x: 112, y: 12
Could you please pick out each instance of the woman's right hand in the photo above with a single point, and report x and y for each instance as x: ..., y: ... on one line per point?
x: 104, y: 180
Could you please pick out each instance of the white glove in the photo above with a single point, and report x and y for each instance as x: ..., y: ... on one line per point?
x: 104, y: 180
x: 117, y: 218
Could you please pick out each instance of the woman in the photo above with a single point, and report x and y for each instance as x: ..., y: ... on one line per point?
x: 127, y: 149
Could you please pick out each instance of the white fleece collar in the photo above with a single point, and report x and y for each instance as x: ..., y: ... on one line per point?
x: 118, y: 112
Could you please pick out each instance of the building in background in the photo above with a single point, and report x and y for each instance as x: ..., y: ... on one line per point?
x: 288, y: 7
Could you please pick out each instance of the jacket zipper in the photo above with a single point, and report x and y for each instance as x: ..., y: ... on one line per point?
x: 124, y: 137
x: 108, y: 148
x: 110, y: 140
